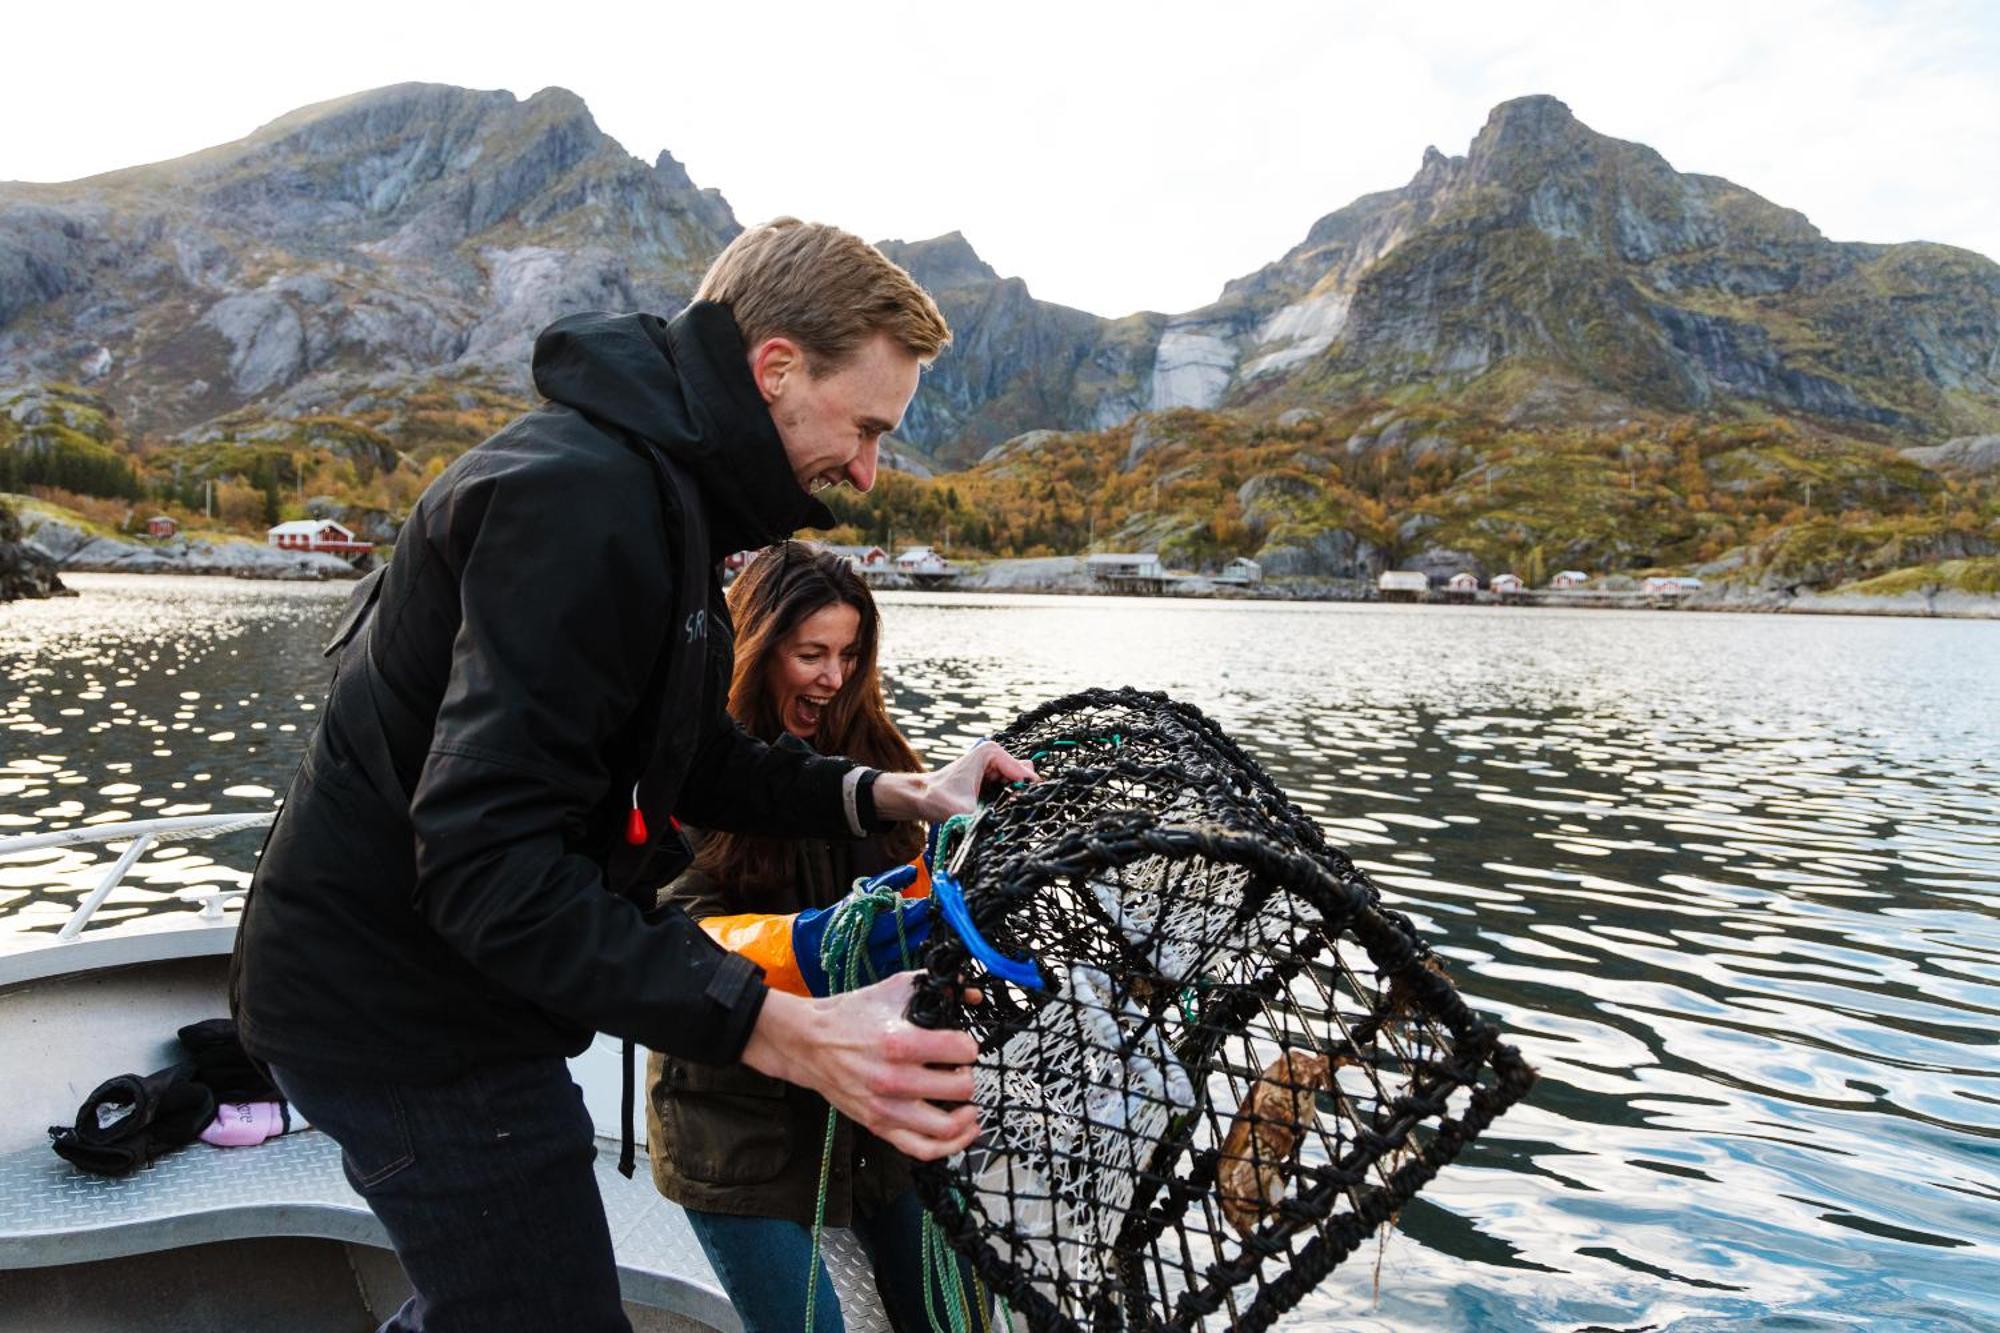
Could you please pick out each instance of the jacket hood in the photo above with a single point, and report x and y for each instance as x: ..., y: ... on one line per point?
x: 684, y: 387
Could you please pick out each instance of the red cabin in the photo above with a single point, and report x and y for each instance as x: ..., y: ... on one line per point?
x: 317, y: 534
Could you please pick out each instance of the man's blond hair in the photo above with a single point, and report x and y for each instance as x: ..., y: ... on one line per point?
x: 827, y: 290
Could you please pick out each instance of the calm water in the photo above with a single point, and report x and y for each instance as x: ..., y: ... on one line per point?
x: 1731, y: 882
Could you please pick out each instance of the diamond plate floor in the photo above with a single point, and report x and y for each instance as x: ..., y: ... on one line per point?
x: 51, y: 1213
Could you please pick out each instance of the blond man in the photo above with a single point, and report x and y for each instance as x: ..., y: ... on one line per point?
x: 524, y: 700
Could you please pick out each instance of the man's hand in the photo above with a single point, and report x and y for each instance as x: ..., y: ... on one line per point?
x: 953, y: 789
x: 874, y: 1065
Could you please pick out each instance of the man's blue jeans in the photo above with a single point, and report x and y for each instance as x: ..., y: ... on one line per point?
x: 486, y: 1187
x: 762, y: 1264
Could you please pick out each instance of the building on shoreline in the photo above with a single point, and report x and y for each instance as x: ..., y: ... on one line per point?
x: 1242, y: 572
x: 1132, y: 571
x: 918, y: 560
x: 865, y: 559
x: 1403, y: 585
x: 318, y: 534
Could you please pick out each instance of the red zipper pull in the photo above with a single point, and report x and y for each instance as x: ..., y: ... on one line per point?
x: 635, y: 821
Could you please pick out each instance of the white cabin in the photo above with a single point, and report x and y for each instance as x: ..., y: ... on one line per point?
x: 1403, y: 581
x: 1242, y: 570
x: 316, y: 534
x: 1129, y: 565
x: 922, y: 560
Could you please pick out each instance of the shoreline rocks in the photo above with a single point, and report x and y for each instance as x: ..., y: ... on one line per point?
x: 1065, y: 576
x: 25, y: 571
x: 67, y: 546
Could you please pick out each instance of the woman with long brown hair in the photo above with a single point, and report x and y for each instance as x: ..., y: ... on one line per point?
x: 741, y: 1152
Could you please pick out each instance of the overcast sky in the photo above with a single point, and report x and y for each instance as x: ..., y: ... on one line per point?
x: 1116, y: 156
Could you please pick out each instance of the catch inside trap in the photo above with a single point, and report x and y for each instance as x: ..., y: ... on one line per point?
x: 1212, y: 1063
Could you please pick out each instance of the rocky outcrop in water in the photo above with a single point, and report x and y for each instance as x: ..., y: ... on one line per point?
x: 25, y: 571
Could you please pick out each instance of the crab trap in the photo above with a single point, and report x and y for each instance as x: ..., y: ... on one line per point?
x: 1211, y: 1062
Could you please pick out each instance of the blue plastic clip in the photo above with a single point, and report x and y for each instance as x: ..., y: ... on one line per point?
x: 1020, y: 971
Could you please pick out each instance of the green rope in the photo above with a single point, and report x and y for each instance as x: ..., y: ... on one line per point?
x: 944, y: 1272
x: 945, y: 838
x: 819, y: 1219
x: 843, y: 956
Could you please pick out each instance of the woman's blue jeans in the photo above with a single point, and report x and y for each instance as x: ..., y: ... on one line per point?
x: 486, y: 1187
x: 762, y: 1263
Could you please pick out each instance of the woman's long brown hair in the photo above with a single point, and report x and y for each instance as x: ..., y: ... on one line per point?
x: 779, y: 590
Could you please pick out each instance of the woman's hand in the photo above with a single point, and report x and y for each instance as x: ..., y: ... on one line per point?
x: 951, y: 790
x: 876, y: 1067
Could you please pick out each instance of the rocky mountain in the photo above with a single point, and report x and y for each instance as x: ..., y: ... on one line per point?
x: 346, y: 249
x: 1551, y: 273
x: 1552, y: 266
x: 1016, y: 364
x: 365, y: 275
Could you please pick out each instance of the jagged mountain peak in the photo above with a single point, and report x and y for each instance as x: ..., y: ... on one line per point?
x: 1537, y: 143
x: 559, y: 98
x: 671, y: 173
x: 1537, y: 117
x: 942, y: 261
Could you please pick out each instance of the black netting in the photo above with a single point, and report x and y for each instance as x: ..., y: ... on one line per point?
x: 1238, y: 1064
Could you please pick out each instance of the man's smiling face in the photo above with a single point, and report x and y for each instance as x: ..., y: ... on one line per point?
x: 833, y: 425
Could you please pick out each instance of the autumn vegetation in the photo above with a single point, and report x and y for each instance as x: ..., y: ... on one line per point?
x: 1774, y: 499
x: 1660, y: 493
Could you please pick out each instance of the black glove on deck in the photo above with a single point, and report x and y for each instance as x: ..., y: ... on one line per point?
x: 128, y: 1120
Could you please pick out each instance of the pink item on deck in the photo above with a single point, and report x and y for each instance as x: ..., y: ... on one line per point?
x: 244, y: 1124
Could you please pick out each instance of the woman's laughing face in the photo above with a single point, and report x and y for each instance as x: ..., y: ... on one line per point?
x: 812, y: 664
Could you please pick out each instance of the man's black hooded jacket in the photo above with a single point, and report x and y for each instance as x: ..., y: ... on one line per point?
x: 467, y: 896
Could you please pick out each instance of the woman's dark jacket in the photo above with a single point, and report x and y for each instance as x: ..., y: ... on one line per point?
x: 448, y: 883
x: 730, y: 1140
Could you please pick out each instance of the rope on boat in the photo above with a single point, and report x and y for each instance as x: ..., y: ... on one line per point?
x: 844, y: 958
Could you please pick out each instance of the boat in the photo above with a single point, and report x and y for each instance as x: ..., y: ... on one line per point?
x: 263, y: 1238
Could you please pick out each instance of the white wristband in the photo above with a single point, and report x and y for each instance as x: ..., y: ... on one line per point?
x: 850, y: 786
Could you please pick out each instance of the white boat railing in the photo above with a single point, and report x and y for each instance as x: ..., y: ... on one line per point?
x: 140, y: 834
